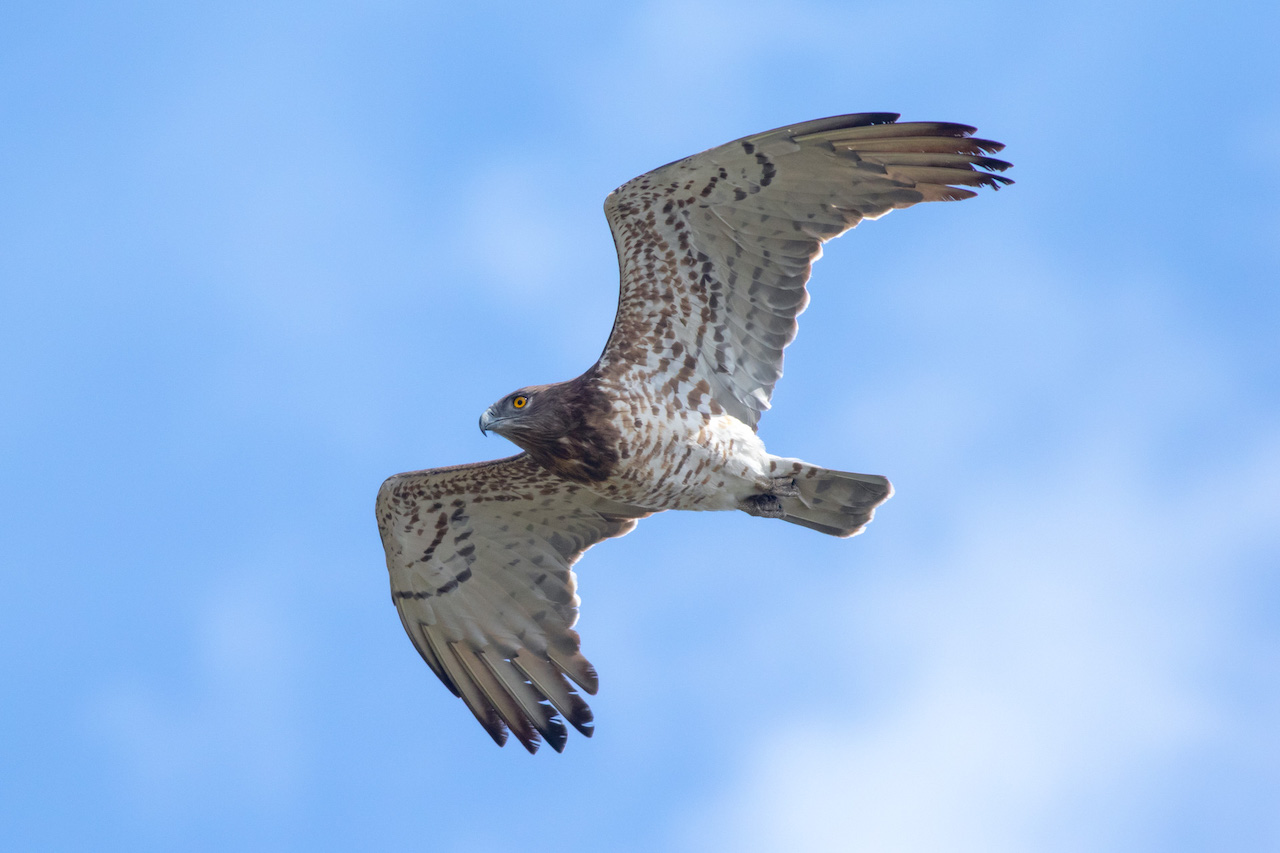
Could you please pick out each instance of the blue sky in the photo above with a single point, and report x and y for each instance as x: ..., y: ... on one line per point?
x: 254, y: 258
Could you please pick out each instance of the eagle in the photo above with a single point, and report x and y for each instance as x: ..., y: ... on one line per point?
x: 714, y: 252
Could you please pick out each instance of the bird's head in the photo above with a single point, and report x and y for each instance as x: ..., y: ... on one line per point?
x: 564, y: 427
x: 525, y: 416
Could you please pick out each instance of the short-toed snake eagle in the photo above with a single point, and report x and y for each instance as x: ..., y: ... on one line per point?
x: 714, y: 251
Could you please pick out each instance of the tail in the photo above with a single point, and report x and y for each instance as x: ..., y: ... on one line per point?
x: 832, y: 502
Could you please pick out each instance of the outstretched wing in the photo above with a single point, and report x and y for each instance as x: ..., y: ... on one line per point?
x: 480, y: 558
x: 715, y: 249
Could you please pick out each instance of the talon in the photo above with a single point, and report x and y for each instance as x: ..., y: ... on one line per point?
x: 763, y: 506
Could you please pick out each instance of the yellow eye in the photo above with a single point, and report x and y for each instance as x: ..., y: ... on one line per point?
x: 520, y: 402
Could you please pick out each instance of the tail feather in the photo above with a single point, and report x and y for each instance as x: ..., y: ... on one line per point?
x: 837, y: 503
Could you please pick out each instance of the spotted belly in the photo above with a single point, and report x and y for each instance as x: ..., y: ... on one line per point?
x: 689, y: 460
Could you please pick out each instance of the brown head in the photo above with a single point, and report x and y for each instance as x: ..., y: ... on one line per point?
x: 565, y: 427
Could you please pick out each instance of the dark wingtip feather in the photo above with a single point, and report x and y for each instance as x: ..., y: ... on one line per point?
x: 581, y: 717
x: 592, y: 678
x: 867, y: 119
x: 996, y: 181
x: 577, y: 668
x: 987, y: 146
x: 992, y: 163
x: 824, y: 125
x: 556, y: 735
x: 496, y: 730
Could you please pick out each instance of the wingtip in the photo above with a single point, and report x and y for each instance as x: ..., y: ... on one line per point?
x: 560, y: 738
x: 582, y: 718
x: 530, y: 744
x: 498, y: 732
x: 577, y: 668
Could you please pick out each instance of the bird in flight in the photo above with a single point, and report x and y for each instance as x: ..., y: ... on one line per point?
x: 714, y: 252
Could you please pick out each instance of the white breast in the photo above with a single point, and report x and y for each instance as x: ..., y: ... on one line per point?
x: 686, y: 460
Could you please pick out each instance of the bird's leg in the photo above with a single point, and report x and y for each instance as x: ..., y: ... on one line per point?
x: 779, y: 487
x: 768, y: 504
x: 784, y: 487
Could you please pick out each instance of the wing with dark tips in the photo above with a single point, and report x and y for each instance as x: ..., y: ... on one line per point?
x: 715, y: 249
x: 480, y: 557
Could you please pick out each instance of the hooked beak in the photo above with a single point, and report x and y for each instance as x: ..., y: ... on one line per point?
x: 486, y: 420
